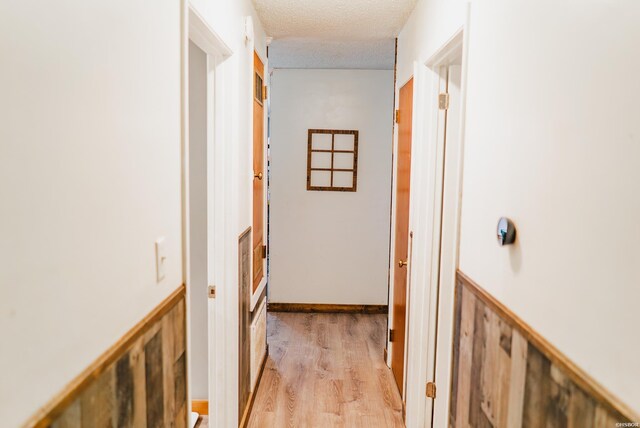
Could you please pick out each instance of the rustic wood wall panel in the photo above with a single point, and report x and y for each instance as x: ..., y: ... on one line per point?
x: 140, y: 382
x: 244, y: 311
x: 505, y: 375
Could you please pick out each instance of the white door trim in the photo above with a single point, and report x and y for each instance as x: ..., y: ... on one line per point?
x: 205, y: 37
x: 438, y: 301
x: 423, y: 164
x: 427, y: 355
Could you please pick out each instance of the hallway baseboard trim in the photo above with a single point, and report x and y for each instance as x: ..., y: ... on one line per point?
x: 323, y: 308
x: 200, y: 406
x: 72, y: 395
x: 252, y: 396
x: 603, y: 400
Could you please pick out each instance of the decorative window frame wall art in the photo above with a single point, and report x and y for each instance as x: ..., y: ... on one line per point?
x: 332, y: 160
x: 258, y: 94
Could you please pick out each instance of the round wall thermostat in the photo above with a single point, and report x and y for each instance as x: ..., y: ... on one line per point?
x: 506, y: 231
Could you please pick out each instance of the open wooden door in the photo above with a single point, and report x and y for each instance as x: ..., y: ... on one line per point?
x: 403, y: 181
x: 259, y: 173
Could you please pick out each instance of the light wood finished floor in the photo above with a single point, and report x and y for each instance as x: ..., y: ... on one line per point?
x: 326, y: 370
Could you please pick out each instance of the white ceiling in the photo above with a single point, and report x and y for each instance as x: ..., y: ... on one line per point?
x: 308, y: 53
x: 333, y: 33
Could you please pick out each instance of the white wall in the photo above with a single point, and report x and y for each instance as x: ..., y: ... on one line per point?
x: 90, y: 167
x: 553, y: 142
x: 330, y: 247
x: 89, y: 179
x: 430, y: 25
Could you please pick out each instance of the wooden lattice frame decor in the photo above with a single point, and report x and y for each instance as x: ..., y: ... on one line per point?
x: 334, y: 166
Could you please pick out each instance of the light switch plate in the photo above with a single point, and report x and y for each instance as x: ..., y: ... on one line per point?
x: 161, y: 258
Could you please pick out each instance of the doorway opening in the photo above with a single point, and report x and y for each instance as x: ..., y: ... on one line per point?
x: 328, y: 234
x: 447, y: 102
x: 204, y: 219
x: 198, y: 223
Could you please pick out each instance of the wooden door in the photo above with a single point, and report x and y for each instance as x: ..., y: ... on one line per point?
x: 259, y: 172
x: 403, y: 180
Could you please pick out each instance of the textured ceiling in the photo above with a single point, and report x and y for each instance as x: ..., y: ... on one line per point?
x: 334, y: 19
x: 305, y: 53
x: 333, y: 33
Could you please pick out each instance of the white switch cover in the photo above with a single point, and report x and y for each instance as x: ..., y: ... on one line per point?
x: 161, y: 258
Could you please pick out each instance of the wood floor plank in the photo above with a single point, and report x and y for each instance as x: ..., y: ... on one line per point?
x: 326, y: 370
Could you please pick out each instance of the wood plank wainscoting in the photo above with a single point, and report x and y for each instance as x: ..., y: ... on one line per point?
x: 506, y: 375
x: 140, y: 381
x: 321, y: 308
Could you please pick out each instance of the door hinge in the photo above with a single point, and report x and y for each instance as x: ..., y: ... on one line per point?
x: 264, y: 251
x: 397, y: 116
x: 443, y: 101
x: 264, y: 92
x: 211, y: 291
x: 392, y: 335
x: 431, y: 390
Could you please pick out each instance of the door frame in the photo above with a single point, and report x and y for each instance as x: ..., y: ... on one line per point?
x: 433, y: 302
x: 444, y: 261
x: 196, y: 29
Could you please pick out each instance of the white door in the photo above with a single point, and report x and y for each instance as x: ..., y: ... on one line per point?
x: 445, y: 233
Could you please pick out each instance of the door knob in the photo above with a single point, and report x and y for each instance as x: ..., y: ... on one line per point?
x: 402, y: 263
x: 258, y: 175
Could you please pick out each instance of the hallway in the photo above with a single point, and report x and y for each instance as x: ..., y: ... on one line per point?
x: 319, y: 213
x: 326, y: 370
